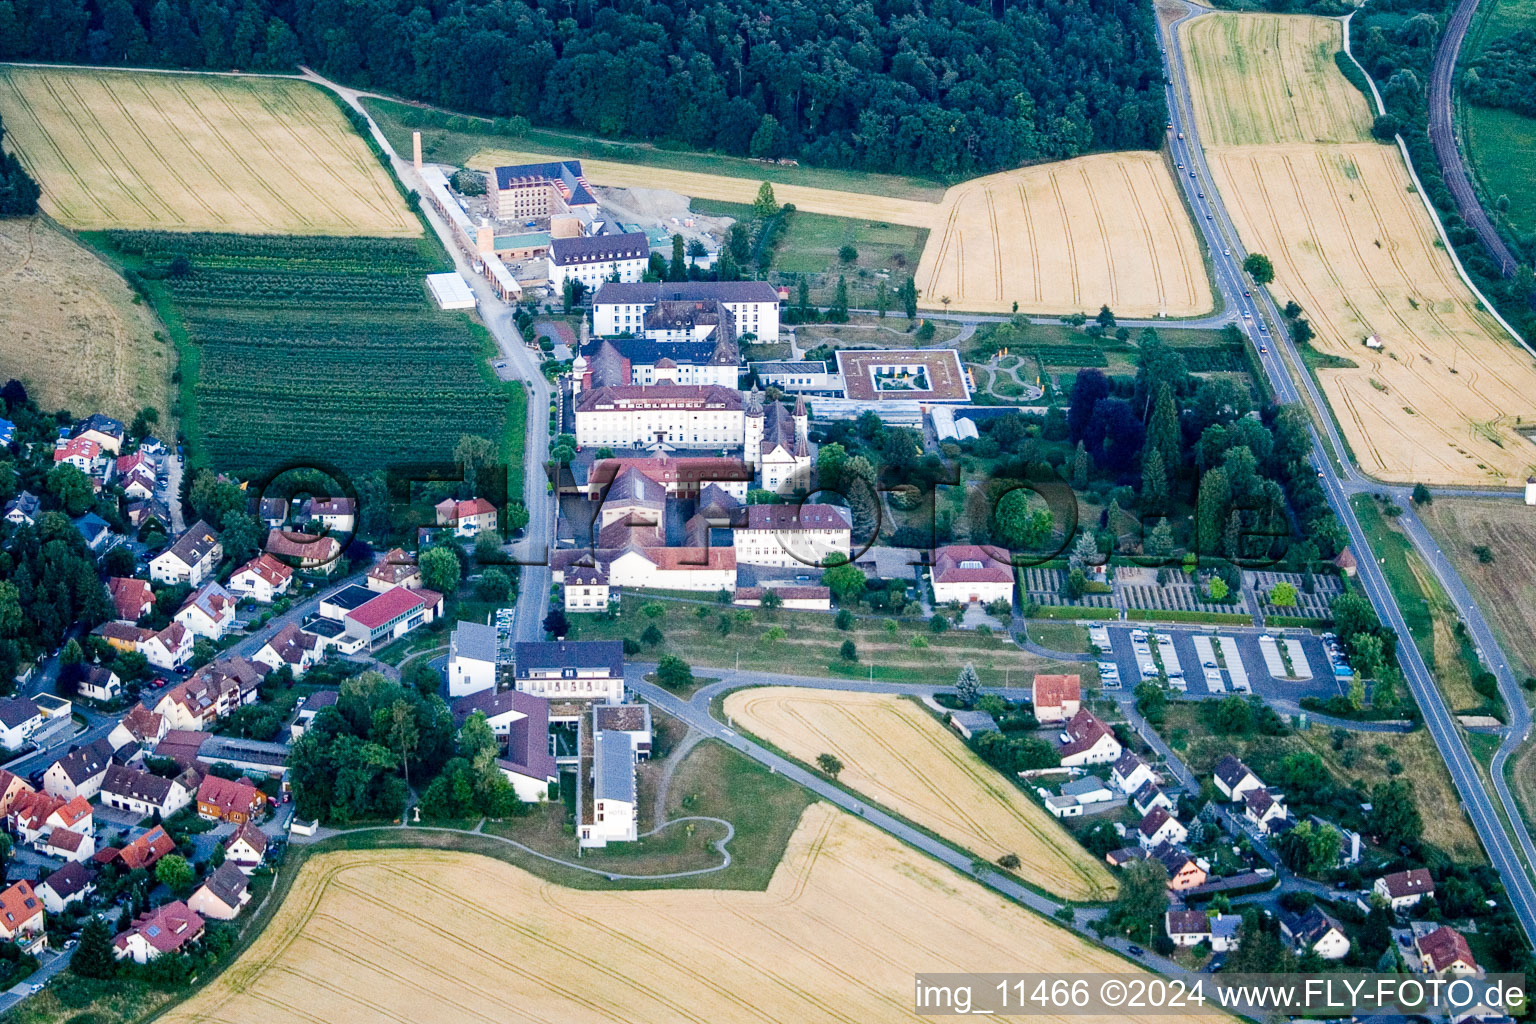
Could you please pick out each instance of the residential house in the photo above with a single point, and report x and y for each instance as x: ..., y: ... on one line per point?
x: 21, y: 918
x: 170, y: 649
x: 1404, y: 889
x: 146, y: 851
x: 312, y: 706
x: 80, y: 452
x: 99, y: 683
x: 1160, y: 827
x: 526, y: 759
x: 123, y: 635
x: 246, y: 847
x: 263, y: 579
x: 212, y: 692
x: 1090, y: 789
x: 69, y: 884
x: 140, y: 725
x: 582, y: 669
x: 1088, y: 740
x: 11, y: 788
x: 1125, y: 855
x: 19, y: 719
x: 337, y: 515
x: 209, y: 611
x: 472, y: 658
x: 236, y: 800
x: 165, y: 929
x: 1233, y: 778
x: 192, y: 559
x: 142, y: 793
x: 1057, y: 698
x: 1187, y: 927
x: 395, y: 569
x: 968, y: 573
x: 290, y: 646
x: 33, y: 815
x: 1264, y: 808
x: 1130, y: 773
x: 1226, y: 932
x: 272, y: 512
x: 79, y: 773
x: 222, y: 893
x: 68, y: 845
x: 1150, y: 795
x: 1444, y: 951
x: 133, y: 598
x: 1063, y: 807
x: 1184, y: 870
x: 23, y: 509
x: 136, y: 475
x: 311, y: 553
x: 95, y: 531
x: 102, y: 430
x: 468, y: 518
x: 1317, y: 932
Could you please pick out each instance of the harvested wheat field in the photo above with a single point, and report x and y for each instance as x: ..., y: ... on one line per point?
x: 1075, y: 235
x: 1268, y: 78
x: 124, y: 149
x: 848, y: 918
x: 898, y: 755
x: 70, y: 330
x: 1445, y: 397
x: 1505, y: 588
x: 1054, y: 238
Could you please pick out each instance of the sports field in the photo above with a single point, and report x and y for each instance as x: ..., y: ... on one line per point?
x: 71, y: 332
x: 1350, y: 239
x: 120, y: 149
x: 417, y: 936
x: 898, y: 755
x: 1054, y: 238
x: 1075, y: 235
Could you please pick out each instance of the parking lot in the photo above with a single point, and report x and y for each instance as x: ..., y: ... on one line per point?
x: 1217, y: 662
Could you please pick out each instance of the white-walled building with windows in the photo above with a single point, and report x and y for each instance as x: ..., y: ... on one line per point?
x: 620, y: 307
x: 594, y: 259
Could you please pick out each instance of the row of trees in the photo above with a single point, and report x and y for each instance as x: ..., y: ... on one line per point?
x: 18, y: 192
x: 942, y: 89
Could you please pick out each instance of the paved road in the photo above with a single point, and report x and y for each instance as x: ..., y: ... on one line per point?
x: 1442, y: 133
x: 51, y: 963
x: 533, y: 550
x: 1338, y: 480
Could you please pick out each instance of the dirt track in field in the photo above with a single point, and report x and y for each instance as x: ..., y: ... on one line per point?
x: 896, y: 754
x: 412, y: 936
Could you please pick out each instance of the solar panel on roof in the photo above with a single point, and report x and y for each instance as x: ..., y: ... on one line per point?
x: 152, y: 930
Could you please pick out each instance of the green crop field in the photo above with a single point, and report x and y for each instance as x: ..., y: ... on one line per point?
x: 321, y: 349
x: 1501, y: 144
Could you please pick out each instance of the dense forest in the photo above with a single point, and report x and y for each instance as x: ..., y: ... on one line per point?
x: 943, y: 88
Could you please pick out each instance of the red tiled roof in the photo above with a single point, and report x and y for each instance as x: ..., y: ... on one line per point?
x: 1083, y: 731
x: 267, y: 568
x: 1051, y: 691
x: 691, y: 558
x: 64, y: 839
x: 795, y: 517
x: 166, y: 928
x: 74, y: 812
x: 144, y: 851
x: 947, y: 567
x: 18, y: 905
x: 229, y: 795
x: 1445, y: 947
x: 1409, y: 883
x: 390, y: 604
x: 130, y: 596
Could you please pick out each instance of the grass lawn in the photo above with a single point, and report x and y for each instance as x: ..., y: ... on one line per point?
x: 712, y: 781
x: 1363, y: 759
x: 1060, y: 636
x: 470, y: 135
x: 1430, y: 615
x: 810, y: 644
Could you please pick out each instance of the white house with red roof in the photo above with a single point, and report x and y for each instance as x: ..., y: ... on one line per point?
x: 80, y: 452
x: 791, y: 535
x: 170, y: 649
x: 21, y: 917
x: 1057, y: 698
x: 1445, y: 951
x: 132, y: 598
x: 967, y: 573
x: 246, y: 848
x: 1160, y: 827
x: 263, y: 579
x: 290, y: 646
x: 468, y: 518
x: 396, y: 569
x: 68, y: 845
x: 1086, y: 739
x: 209, y: 611
x: 166, y: 929
x: 1404, y: 889
x: 689, y: 568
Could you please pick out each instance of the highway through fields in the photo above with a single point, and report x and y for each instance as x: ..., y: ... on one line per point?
x: 1262, y: 323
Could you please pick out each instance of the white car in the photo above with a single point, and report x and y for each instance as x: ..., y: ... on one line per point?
x: 1247, y: 316
x: 1226, y: 252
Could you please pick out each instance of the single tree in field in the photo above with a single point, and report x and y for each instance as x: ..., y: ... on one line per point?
x: 765, y: 205
x: 1106, y: 317
x: 1421, y: 495
x: 967, y: 685
x: 673, y: 672
x: 829, y: 764
x: 652, y: 636
x: 849, y: 651
x: 1259, y: 268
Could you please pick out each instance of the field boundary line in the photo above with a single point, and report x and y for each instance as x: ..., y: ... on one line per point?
x: 1429, y: 207
x: 159, y: 157
x: 1146, y: 234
